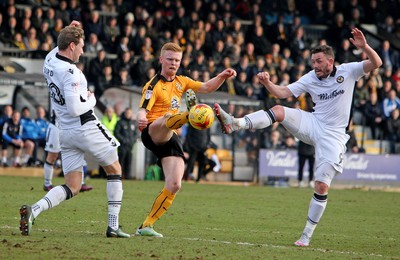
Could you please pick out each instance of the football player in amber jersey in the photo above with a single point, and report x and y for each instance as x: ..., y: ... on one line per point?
x: 159, y: 115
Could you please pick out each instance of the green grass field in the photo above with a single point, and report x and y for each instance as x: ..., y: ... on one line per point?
x: 205, y: 222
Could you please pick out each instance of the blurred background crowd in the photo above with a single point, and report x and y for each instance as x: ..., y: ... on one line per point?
x: 122, y: 40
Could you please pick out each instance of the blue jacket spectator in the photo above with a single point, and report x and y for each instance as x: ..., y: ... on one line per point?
x: 42, y: 123
x: 390, y: 103
x: 30, y: 130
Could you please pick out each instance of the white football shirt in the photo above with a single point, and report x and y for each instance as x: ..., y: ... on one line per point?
x: 332, y: 95
x: 68, y: 91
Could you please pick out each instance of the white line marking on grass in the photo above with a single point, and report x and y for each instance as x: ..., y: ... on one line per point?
x: 284, y: 247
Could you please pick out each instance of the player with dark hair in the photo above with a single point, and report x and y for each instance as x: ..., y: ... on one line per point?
x: 331, y: 88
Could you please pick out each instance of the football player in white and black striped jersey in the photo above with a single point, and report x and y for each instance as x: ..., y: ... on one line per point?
x: 331, y: 88
x: 80, y: 132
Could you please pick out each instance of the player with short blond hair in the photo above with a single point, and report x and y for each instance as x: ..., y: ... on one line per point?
x: 157, y: 118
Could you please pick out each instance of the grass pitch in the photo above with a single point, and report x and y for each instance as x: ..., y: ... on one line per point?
x: 205, y: 222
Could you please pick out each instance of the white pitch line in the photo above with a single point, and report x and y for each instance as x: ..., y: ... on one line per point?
x: 236, y: 243
x: 283, y: 247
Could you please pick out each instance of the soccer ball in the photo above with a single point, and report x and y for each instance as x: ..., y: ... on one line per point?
x: 201, y: 116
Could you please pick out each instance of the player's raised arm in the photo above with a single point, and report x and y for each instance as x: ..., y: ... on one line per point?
x: 276, y: 90
x: 374, y: 61
x: 214, y: 83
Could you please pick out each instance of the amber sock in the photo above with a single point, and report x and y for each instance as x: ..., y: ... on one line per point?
x: 177, y: 120
x: 160, y: 206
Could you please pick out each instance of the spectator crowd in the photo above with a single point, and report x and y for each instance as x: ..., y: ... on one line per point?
x: 122, y: 39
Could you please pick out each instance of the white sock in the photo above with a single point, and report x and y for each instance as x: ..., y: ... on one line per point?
x: 26, y: 158
x: 315, y: 212
x: 4, y: 160
x: 54, y: 197
x: 17, y: 159
x: 48, y: 174
x: 114, y: 196
x: 257, y: 120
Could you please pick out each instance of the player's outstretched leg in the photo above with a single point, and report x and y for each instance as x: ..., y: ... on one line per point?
x: 190, y: 99
x: 26, y: 221
x: 225, y: 119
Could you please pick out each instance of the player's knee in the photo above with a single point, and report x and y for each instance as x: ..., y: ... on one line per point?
x: 279, y: 112
x: 174, y: 187
x: 321, y: 188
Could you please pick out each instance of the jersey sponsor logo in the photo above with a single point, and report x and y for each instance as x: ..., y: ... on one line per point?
x: 333, y: 94
x: 340, y: 79
x: 149, y: 93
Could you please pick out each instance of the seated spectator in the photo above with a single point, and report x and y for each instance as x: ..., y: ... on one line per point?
x: 241, y: 83
x: 105, y: 80
x: 274, y: 141
x: 62, y: 12
x: 18, y: 41
x: 93, y: 45
x: 390, y: 103
x: 393, y: 130
x: 289, y: 142
x: 11, y: 135
x: 31, y: 41
x: 4, y: 117
x: 389, y: 56
x: 111, y: 34
x: 30, y: 134
x: 345, y: 53
x: 38, y: 18
x: 43, y: 124
x: 6, y: 114
x: 361, y: 95
x: 58, y: 26
x: 124, y: 78
x: 373, y: 114
x: 352, y: 145
x: 144, y: 63
x: 125, y: 60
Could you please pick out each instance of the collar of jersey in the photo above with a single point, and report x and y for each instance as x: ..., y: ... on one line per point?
x: 333, y: 73
x: 164, y: 79
x: 64, y: 58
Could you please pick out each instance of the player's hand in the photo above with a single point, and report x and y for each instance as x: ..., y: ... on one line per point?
x: 228, y: 73
x: 76, y: 24
x: 263, y: 77
x: 142, y: 119
x: 358, y: 38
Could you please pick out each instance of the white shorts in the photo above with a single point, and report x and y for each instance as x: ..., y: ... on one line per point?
x: 329, y: 143
x: 92, y: 138
x: 52, y: 139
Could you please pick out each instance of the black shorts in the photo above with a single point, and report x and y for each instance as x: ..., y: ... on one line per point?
x: 5, y: 144
x: 171, y: 148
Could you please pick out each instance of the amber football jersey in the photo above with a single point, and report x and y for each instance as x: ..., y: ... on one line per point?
x: 165, y: 96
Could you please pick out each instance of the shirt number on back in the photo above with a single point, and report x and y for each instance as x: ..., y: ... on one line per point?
x: 56, y: 95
